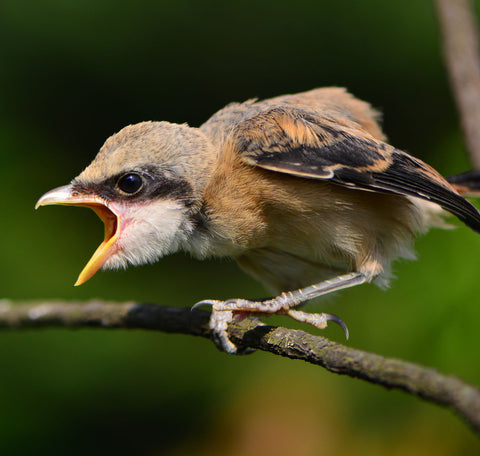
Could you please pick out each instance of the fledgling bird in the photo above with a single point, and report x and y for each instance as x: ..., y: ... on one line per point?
x: 303, y: 191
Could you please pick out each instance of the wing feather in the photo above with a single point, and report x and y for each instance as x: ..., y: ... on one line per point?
x: 310, y: 145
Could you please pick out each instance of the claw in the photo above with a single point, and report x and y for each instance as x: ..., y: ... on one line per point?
x: 340, y: 322
x: 206, y: 302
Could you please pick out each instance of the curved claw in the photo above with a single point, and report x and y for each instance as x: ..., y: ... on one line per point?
x: 340, y: 322
x: 206, y: 302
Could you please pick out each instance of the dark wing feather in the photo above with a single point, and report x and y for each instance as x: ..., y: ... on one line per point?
x: 311, y: 145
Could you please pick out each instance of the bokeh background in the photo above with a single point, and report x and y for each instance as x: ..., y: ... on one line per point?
x: 74, y: 72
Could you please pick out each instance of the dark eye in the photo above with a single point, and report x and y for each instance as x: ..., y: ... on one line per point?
x: 130, y: 183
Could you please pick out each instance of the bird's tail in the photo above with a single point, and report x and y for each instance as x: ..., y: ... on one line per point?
x: 467, y: 184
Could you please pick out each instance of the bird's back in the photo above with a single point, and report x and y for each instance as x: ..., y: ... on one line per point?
x: 334, y: 102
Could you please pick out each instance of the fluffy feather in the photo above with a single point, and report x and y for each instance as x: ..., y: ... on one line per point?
x: 148, y: 232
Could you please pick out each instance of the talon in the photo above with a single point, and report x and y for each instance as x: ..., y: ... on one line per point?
x: 207, y: 302
x: 340, y: 322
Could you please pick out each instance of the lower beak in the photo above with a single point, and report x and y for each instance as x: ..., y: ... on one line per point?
x: 68, y: 196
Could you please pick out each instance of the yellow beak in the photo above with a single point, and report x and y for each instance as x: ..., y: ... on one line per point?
x: 67, y: 196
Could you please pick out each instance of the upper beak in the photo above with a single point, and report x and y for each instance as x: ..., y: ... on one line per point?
x: 68, y: 196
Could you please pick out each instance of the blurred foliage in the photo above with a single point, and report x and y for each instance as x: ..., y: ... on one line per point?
x: 74, y: 72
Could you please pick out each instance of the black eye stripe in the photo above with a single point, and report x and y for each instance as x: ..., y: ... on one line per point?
x: 154, y: 185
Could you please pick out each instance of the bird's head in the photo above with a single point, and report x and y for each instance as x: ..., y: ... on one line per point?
x: 146, y: 184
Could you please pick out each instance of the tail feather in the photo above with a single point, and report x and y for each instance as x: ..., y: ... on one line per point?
x: 467, y: 184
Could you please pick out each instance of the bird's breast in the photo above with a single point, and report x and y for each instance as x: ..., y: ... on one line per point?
x: 314, y: 227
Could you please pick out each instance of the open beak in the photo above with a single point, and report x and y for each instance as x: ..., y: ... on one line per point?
x: 67, y: 196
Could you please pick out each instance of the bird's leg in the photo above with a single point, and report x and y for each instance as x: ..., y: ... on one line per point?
x: 224, y: 312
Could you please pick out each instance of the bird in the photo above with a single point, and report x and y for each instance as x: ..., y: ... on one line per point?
x: 302, y: 190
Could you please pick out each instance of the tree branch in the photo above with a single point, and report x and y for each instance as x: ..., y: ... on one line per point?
x: 429, y: 384
x: 460, y: 46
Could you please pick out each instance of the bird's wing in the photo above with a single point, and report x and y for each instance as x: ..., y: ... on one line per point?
x: 313, y: 145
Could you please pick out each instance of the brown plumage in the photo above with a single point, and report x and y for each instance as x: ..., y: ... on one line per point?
x: 299, y: 189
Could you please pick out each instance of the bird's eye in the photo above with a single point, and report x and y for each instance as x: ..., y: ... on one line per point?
x: 130, y: 183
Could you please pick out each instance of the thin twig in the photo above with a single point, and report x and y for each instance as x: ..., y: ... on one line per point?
x: 429, y: 384
x: 460, y: 45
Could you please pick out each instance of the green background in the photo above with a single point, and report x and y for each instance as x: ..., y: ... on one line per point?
x: 74, y: 72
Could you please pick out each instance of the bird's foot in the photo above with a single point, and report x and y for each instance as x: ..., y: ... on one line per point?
x: 224, y: 312
x: 218, y: 324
